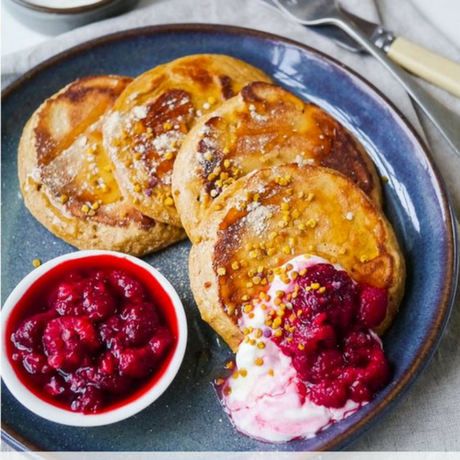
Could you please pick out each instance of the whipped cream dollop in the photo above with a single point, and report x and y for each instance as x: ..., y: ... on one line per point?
x: 262, y: 397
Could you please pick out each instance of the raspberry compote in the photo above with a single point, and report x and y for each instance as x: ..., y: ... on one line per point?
x: 92, y: 334
x: 309, y: 357
x: 326, y: 332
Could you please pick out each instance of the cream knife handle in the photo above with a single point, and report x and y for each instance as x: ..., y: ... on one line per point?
x: 446, y: 120
x: 426, y: 64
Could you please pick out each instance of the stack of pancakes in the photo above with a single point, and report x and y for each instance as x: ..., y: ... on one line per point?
x: 95, y: 160
x: 207, y: 146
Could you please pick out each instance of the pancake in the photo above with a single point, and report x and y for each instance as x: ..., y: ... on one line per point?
x: 152, y: 117
x: 261, y: 127
x: 66, y: 176
x: 271, y: 216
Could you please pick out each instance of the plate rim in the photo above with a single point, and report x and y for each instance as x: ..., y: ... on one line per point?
x: 445, y: 305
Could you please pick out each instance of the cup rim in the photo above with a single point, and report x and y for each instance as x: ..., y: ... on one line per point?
x: 73, y: 10
x: 66, y: 417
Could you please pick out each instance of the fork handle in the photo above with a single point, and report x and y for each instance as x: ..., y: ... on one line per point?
x: 430, y: 66
x: 447, y: 121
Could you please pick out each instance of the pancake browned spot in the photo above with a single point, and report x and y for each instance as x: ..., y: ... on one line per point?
x: 226, y: 83
x: 249, y: 93
x: 345, y: 155
x: 197, y: 74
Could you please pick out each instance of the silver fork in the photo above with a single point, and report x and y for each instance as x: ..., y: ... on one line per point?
x: 328, y: 12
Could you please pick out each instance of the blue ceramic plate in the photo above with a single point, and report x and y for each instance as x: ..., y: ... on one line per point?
x: 188, y: 416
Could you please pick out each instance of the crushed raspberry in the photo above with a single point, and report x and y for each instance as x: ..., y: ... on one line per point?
x: 108, y: 364
x: 98, y: 342
x: 373, y: 306
x: 110, y: 329
x: 98, y: 300
x: 139, y: 323
x: 136, y: 362
x: 115, y: 383
x: 55, y: 386
x: 127, y: 286
x: 67, y: 299
x: 67, y: 340
x: 29, y: 335
x: 90, y: 401
x: 329, y: 393
x: 35, y: 363
x: 326, y: 333
x: 161, y: 341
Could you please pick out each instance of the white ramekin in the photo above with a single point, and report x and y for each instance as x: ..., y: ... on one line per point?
x: 66, y: 417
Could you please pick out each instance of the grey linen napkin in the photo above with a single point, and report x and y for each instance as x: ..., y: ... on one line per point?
x: 429, y: 416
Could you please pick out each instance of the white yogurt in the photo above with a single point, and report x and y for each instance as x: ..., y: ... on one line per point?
x: 265, y: 404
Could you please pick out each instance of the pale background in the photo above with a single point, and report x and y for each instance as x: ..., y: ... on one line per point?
x: 16, y: 36
x: 445, y: 15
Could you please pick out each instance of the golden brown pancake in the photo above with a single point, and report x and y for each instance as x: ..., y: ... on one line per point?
x: 262, y: 126
x: 66, y: 176
x: 271, y: 216
x: 152, y: 117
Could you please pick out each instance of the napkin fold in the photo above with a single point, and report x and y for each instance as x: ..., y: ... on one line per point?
x: 429, y: 416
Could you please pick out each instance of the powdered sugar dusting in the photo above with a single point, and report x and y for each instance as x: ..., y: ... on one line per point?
x: 140, y: 112
x: 259, y: 217
x: 168, y: 141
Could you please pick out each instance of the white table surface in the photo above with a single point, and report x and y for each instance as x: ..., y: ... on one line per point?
x: 16, y: 36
